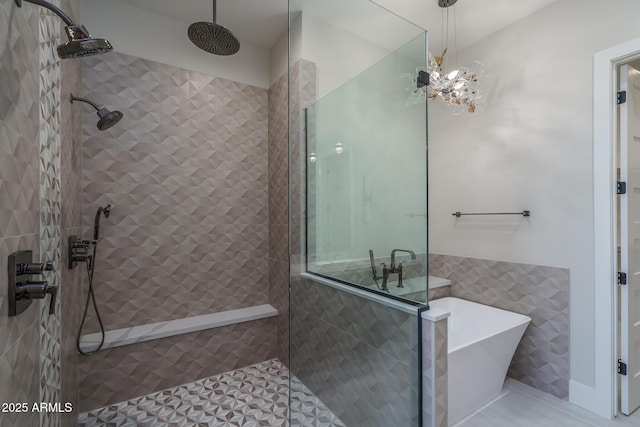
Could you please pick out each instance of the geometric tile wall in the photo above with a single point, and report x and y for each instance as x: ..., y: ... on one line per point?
x: 540, y: 292
x: 121, y: 373
x: 35, y: 133
x: 359, y: 357
x: 72, y: 290
x: 50, y: 210
x: 186, y: 174
x: 435, y: 394
x: 278, y: 211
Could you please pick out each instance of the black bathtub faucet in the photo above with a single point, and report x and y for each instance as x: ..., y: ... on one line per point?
x: 392, y: 270
x: 398, y: 269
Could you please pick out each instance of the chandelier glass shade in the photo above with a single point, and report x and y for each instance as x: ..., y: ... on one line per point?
x: 457, y: 87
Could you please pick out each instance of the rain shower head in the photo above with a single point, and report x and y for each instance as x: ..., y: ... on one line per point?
x: 213, y: 38
x: 80, y: 41
x: 107, y: 117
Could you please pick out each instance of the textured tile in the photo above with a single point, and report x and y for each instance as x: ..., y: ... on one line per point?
x: 257, y: 395
x: 50, y: 210
x: 441, y: 356
x: 278, y: 210
x: 437, y: 293
x: 19, y: 376
x: 186, y: 171
x: 348, y: 356
x: 19, y: 119
x: 542, y: 293
x: 435, y: 373
x: 121, y: 373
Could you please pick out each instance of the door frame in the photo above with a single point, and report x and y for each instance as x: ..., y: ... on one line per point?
x: 603, y: 397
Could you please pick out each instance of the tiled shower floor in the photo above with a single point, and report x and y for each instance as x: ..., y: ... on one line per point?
x: 257, y: 395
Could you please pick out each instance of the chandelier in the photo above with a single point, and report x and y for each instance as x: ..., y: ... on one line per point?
x: 457, y: 87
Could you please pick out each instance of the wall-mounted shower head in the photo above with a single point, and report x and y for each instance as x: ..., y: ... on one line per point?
x: 213, y: 38
x: 82, y: 44
x: 107, y: 118
x: 80, y: 41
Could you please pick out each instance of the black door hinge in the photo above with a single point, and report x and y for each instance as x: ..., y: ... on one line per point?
x: 622, y: 187
x: 622, y: 278
x: 622, y: 97
x: 622, y: 367
x: 423, y: 79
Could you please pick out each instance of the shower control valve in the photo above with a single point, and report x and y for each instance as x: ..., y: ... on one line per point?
x: 79, y: 251
x: 34, y: 268
x: 21, y: 289
x: 38, y: 290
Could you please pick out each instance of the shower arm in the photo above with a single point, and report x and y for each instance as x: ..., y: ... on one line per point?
x: 93, y: 104
x: 214, y: 11
x: 52, y: 8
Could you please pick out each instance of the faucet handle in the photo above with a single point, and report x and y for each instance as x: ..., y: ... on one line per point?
x: 373, y: 264
x: 34, y: 268
x: 53, y: 291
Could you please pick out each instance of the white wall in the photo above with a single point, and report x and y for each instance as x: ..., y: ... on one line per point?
x: 530, y: 147
x: 341, y: 55
x: 279, y: 58
x: 75, y: 7
x: 152, y: 36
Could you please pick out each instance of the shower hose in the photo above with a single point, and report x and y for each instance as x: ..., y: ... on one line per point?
x: 90, y: 262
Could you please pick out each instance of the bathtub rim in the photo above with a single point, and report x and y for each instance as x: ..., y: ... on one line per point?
x: 526, y: 319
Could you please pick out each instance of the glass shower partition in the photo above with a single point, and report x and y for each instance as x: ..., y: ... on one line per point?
x: 366, y: 179
x: 357, y: 213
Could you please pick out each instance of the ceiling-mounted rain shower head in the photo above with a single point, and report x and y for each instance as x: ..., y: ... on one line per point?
x: 80, y: 41
x: 107, y: 118
x: 213, y: 38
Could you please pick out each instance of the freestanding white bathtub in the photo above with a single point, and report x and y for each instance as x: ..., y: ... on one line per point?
x: 481, y: 344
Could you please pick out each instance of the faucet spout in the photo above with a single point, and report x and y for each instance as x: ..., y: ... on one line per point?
x: 393, y: 257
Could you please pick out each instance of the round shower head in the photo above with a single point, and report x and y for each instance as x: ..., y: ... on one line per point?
x: 81, y: 43
x: 213, y: 38
x: 108, y: 118
x: 84, y: 47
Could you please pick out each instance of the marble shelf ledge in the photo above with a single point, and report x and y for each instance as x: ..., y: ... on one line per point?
x: 153, y: 331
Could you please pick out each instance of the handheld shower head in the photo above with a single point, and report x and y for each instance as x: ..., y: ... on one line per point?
x: 107, y: 118
x: 213, y: 38
x: 96, y: 222
x: 80, y: 41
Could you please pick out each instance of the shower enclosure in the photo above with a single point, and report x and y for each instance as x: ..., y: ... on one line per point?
x: 357, y: 210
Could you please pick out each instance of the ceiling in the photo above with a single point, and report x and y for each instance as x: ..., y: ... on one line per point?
x: 262, y: 22
x: 259, y: 22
